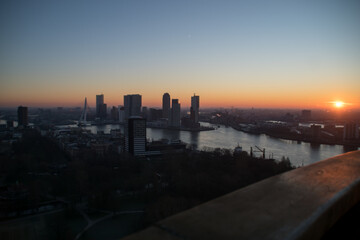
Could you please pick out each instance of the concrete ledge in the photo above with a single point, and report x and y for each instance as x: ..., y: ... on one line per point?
x: 300, y: 204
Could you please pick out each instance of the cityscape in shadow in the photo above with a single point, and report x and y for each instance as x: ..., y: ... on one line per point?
x: 179, y: 119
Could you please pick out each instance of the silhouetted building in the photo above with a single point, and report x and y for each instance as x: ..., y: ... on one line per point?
x: 135, y: 136
x: 194, y: 110
x: 114, y: 113
x: 101, y: 107
x: 22, y: 113
x: 103, y: 111
x: 166, y: 105
x: 99, y: 104
x: 155, y: 114
x: 121, y: 110
x: 306, y: 115
x: 132, y: 105
x: 187, y: 122
x: 351, y: 131
x: 175, y: 113
x: 316, y: 131
x: 144, y: 112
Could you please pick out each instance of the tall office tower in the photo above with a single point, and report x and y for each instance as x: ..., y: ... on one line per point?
x: 175, y: 113
x: 114, y: 113
x: 135, y: 136
x: 195, y: 104
x: 99, y: 105
x: 121, y: 114
x: 166, y: 105
x: 132, y: 105
x: 22, y: 113
x: 103, y: 111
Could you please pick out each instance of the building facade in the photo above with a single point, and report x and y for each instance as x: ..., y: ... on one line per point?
x: 195, y: 105
x: 166, y: 105
x: 135, y: 136
x: 175, y: 120
x: 22, y: 113
x: 132, y: 105
x: 101, y: 107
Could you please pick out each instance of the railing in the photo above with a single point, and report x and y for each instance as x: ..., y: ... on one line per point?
x: 301, y: 204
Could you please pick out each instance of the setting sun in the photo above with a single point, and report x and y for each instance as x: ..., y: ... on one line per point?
x: 338, y: 104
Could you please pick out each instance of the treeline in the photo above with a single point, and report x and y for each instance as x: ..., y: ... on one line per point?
x: 196, y: 177
x: 163, y: 186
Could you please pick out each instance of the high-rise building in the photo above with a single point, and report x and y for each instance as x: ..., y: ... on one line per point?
x: 114, y: 113
x: 132, y: 105
x: 135, y: 136
x: 103, y: 111
x: 22, y: 113
x: 121, y: 114
x: 195, y: 104
x: 99, y: 105
x: 144, y: 112
x: 166, y: 105
x: 175, y: 113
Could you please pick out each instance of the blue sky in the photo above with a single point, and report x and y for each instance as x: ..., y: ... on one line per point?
x: 65, y: 50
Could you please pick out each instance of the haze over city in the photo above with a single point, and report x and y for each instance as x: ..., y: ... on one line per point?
x: 282, y: 54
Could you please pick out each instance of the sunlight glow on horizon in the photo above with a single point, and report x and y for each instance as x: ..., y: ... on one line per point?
x: 238, y: 54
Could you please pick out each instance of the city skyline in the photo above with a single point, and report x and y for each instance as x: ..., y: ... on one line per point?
x: 233, y: 54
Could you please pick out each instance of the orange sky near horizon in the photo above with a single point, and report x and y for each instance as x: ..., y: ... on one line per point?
x: 208, y: 99
x: 288, y: 54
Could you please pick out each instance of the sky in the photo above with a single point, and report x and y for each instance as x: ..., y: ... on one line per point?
x: 264, y: 54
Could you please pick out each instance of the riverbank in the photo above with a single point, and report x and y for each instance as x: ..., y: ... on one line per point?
x: 200, y: 129
x: 298, y: 137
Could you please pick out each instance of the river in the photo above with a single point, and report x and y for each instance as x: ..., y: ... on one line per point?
x: 299, y: 153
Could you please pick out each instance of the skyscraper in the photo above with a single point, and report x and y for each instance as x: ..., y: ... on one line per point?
x: 166, y: 105
x: 175, y: 113
x: 121, y: 110
x: 22, y: 113
x: 132, y: 105
x: 101, y: 107
x: 135, y: 136
x: 114, y: 113
x: 195, y: 104
x: 99, y: 104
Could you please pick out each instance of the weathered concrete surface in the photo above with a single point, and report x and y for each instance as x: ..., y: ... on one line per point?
x: 300, y: 204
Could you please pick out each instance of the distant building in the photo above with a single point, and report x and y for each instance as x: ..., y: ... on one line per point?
x: 316, y: 131
x: 194, y: 110
x: 306, y: 115
x: 103, y: 111
x: 121, y: 110
x: 187, y: 122
x: 114, y: 113
x: 22, y: 113
x: 132, y: 105
x: 155, y: 114
x: 351, y: 131
x: 166, y: 105
x: 144, y: 112
x: 135, y: 136
x: 101, y: 107
x: 99, y: 104
x: 175, y: 113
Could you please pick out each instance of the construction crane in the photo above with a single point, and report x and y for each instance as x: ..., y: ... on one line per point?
x: 258, y: 150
